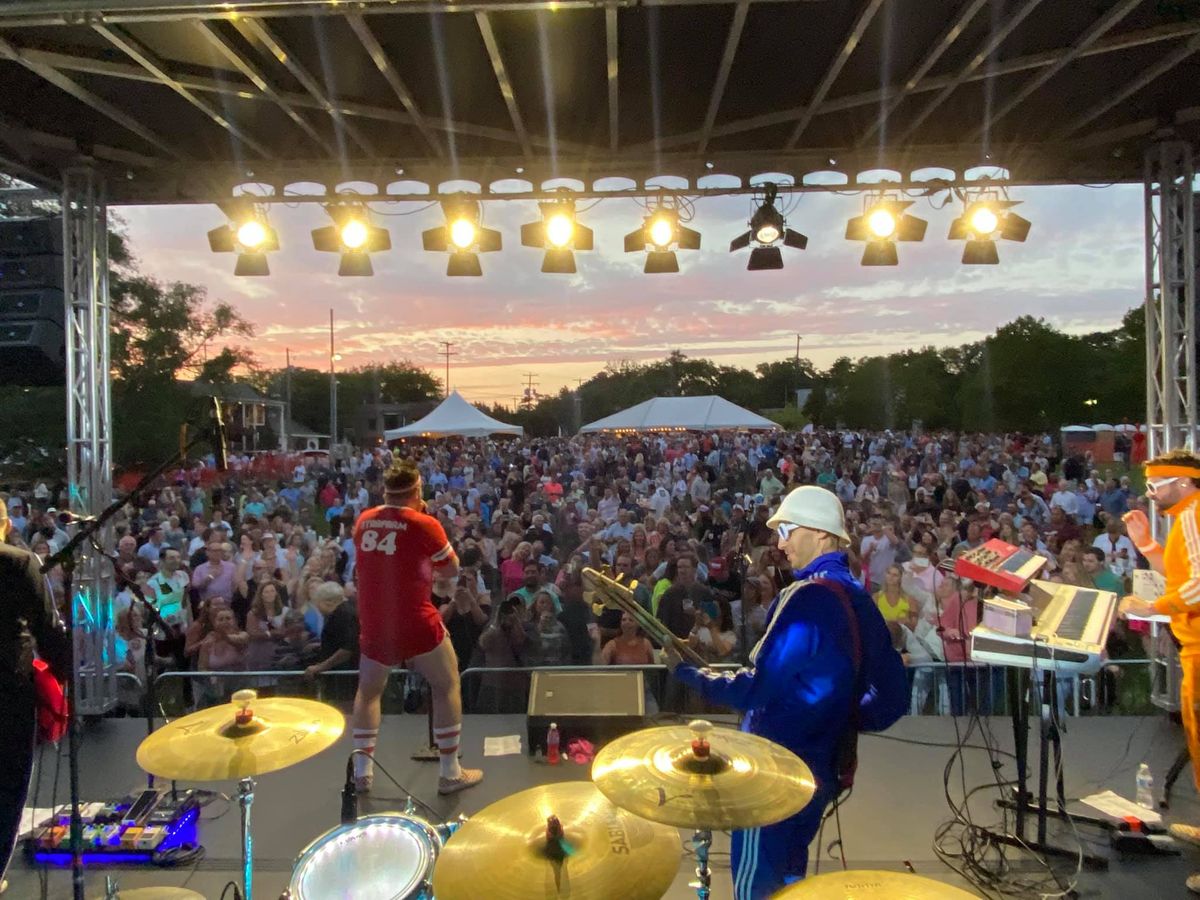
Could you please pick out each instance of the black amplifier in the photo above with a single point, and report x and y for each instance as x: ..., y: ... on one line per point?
x: 595, y: 706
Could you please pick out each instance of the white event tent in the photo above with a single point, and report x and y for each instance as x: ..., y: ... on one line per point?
x: 453, y: 416
x: 682, y: 414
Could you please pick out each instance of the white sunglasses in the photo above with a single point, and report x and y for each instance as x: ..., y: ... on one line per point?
x: 785, y: 529
x: 1154, y: 485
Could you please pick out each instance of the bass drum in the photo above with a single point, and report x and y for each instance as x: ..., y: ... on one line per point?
x: 388, y: 856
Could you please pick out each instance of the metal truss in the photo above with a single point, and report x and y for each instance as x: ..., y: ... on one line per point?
x: 89, y: 430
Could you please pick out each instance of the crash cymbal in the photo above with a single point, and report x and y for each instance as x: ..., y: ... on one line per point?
x: 869, y: 884
x: 664, y: 774
x: 505, y: 852
x: 159, y: 893
x: 245, y: 737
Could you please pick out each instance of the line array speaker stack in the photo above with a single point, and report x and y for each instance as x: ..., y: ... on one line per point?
x: 32, y: 333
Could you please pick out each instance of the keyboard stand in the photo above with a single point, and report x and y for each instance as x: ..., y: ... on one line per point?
x: 1049, y: 740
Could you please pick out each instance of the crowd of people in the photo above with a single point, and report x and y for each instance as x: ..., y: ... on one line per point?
x: 253, y: 570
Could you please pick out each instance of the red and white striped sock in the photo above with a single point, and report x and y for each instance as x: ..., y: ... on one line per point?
x: 364, y: 739
x: 447, y: 744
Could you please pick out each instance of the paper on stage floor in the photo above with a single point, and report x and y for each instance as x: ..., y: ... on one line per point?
x: 506, y: 745
x: 1113, y: 804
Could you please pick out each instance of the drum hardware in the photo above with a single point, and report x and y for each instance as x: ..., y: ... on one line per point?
x: 239, y: 740
x: 112, y: 892
x: 868, y: 884
x: 556, y: 841
x: 703, y: 778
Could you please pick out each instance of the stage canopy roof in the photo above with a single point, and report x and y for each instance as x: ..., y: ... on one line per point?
x: 182, y: 100
x: 682, y: 414
x: 454, y: 416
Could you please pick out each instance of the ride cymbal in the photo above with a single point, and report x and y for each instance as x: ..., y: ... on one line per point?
x: 240, y: 739
x: 870, y: 884
x: 512, y: 851
x: 697, y: 776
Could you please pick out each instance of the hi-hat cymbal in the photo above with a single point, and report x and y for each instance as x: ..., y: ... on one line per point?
x: 869, y: 884
x: 743, y: 782
x: 159, y: 893
x: 213, y: 745
x: 505, y: 853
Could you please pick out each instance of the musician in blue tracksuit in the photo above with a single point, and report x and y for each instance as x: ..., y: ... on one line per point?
x: 814, y: 680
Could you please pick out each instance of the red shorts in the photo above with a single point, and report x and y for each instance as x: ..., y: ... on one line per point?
x: 389, y: 636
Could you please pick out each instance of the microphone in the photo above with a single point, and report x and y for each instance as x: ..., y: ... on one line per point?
x: 349, y: 795
x: 220, y: 443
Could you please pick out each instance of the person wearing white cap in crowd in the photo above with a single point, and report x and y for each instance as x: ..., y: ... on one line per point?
x: 824, y: 670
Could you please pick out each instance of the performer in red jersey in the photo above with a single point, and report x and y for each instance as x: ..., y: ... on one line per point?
x: 400, y: 555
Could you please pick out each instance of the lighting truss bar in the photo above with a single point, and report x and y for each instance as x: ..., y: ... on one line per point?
x: 1171, y: 390
x: 835, y: 68
x: 63, y: 12
x: 256, y: 31
x: 892, y: 93
x: 89, y: 430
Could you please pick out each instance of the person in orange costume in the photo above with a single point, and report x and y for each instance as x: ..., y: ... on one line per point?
x: 1173, y: 483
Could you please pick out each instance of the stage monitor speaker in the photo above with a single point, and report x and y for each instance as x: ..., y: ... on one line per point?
x: 596, y: 706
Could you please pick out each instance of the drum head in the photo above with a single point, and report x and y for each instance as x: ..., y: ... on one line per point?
x: 380, y: 857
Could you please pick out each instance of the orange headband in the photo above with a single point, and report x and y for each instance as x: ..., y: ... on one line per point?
x: 1172, y: 471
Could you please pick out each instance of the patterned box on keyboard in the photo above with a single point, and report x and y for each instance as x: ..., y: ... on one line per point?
x: 1011, y: 617
x: 1000, y: 565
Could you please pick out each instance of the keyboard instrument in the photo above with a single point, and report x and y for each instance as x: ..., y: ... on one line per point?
x: 1071, y: 626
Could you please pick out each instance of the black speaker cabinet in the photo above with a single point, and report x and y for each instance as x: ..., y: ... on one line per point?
x: 596, y: 706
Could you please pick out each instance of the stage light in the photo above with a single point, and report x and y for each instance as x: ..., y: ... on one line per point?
x: 882, y: 223
x: 251, y: 234
x: 462, y: 233
x: 660, y: 235
x: 353, y: 236
x: 662, y: 230
x: 559, y: 234
x: 560, y: 229
x: 987, y: 217
x: 462, y: 236
x: 767, y: 226
x: 984, y: 221
x: 248, y: 235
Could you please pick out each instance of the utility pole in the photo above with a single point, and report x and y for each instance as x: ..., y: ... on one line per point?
x: 530, y: 384
x: 287, y: 398
x: 578, y: 405
x: 447, y: 353
x: 797, y: 352
x: 332, y: 388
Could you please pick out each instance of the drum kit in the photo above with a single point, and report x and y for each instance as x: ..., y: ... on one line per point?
x: 615, y: 836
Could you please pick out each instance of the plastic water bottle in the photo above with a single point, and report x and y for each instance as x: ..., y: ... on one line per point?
x: 1145, y: 787
x: 552, y: 741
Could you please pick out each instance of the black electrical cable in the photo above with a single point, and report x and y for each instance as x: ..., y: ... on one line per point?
x: 433, y: 813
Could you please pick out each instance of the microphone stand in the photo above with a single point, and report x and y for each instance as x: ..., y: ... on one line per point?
x: 88, y: 529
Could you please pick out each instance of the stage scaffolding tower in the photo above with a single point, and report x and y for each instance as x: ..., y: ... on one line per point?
x: 1171, y: 420
x: 89, y: 430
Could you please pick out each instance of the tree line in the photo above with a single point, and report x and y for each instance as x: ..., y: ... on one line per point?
x: 1026, y: 376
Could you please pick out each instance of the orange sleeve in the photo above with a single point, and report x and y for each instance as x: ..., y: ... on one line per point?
x: 1183, y: 574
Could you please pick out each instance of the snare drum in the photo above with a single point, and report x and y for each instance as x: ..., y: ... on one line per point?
x: 388, y: 856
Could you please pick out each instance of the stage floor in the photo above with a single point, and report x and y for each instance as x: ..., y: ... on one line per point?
x: 897, y: 804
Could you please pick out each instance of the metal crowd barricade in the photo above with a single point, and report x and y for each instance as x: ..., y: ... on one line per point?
x: 936, y: 688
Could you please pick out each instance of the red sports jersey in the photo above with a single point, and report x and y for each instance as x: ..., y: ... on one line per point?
x: 395, y: 552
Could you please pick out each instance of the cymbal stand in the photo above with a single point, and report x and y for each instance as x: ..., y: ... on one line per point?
x: 702, y: 841
x: 245, y: 799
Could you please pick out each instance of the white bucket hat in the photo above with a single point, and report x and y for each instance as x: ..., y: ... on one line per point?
x: 812, y: 507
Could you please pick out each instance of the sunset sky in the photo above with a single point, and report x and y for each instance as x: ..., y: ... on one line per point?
x: 1082, y: 269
